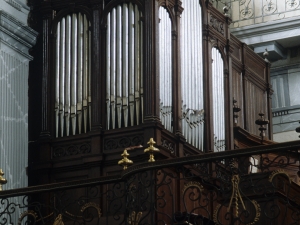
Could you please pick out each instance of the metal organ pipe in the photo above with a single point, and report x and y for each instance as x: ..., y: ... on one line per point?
x: 165, y: 68
x: 192, y: 73
x: 218, y: 100
x: 73, y: 72
x: 124, y: 66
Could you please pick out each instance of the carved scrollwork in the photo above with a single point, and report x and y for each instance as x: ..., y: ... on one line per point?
x: 278, y: 172
x: 92, y: 205
x: 123, y: 142
x: 237, y: 201
x: 168, y: 145
x: 27, y: 213
x: 216, y: 24
x: 63, y: 151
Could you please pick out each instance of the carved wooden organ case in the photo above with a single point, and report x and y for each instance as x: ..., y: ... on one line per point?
x: 109, y: 74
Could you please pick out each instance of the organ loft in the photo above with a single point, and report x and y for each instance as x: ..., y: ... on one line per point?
x: 111, y: 74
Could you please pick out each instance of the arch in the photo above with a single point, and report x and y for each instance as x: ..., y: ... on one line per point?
x: 168, y: 8
x: 76, y: 9
x: 115, y: 3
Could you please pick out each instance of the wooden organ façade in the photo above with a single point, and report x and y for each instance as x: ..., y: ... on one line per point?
x: 110, y: 74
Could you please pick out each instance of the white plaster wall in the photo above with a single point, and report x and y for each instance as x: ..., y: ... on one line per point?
x: 15, y: 40
x: 286, y: 136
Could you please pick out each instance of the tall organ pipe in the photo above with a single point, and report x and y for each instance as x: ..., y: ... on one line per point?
x: 165, y: 68
x: 124, y: 66
x: 72, y: 78
x: 192, y: 73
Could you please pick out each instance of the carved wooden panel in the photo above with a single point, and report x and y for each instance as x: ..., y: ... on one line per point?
x: 237, y: 89
x: 123, y: 142
x: 256, y: 102
x: 70, y: 150
x: 253, y: 62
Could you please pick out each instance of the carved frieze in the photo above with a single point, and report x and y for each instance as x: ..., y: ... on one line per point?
x: 123, y: 142
x: 216, y: 24
x: 168, y: 145
x: 63, y: 151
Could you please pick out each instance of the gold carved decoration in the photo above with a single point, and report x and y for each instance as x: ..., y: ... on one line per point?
x: 2, y: 179
x: 125, y: 162
x: 234, y: 202
x: 91, y: 205
x: 58, y: 220
x: 192, y: 184
x: 135, y: 218
x: 277, y: 172
x: 27, y: 213
x: 151, y: 149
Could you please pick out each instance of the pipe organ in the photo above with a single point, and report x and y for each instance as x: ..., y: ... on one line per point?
x: 124, y: 76
x: 218, y: 100
x: 165, y: 68
x: 192, y: 73
x: 117, y: 73
x: 73, y: 75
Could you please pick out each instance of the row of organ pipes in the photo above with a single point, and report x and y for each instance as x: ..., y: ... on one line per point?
x: 192, y: 73
x: 124, y: 78
x: 73, y: 75
x: 165, y: 68
x: 218, y: 100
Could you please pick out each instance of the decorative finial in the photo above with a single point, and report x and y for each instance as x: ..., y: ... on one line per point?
x: 226, y: 9
x: 298, y: 130
x: 151, y: 149
x: 236, y: 109
x: 262, y: 122
x: 2, y: 179
x: 266, y: 54
x: 125, y: 162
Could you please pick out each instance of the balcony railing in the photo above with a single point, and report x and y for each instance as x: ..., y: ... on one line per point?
x: 256, y: 185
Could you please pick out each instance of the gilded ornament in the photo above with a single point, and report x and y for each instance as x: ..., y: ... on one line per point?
x: 2, y: 179
x: 58, y: 220
x: 277, y: 172
x: 134, y: 218
x: 192, y: 184
x: 151, y: 149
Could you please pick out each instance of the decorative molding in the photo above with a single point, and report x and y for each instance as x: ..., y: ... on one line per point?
x: 216, y: 24
x: 123, y: 142
x: 168, y: 145
x: 17, y: 35
x: 14, y: 4
x: 63, y: 151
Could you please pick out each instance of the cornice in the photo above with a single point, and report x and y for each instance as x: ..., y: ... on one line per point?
x: 16, y: 35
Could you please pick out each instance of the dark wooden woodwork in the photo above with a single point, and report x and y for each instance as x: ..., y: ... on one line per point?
x: 246, y: 78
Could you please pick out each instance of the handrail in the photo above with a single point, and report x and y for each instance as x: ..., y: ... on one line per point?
x: 207, y: 157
